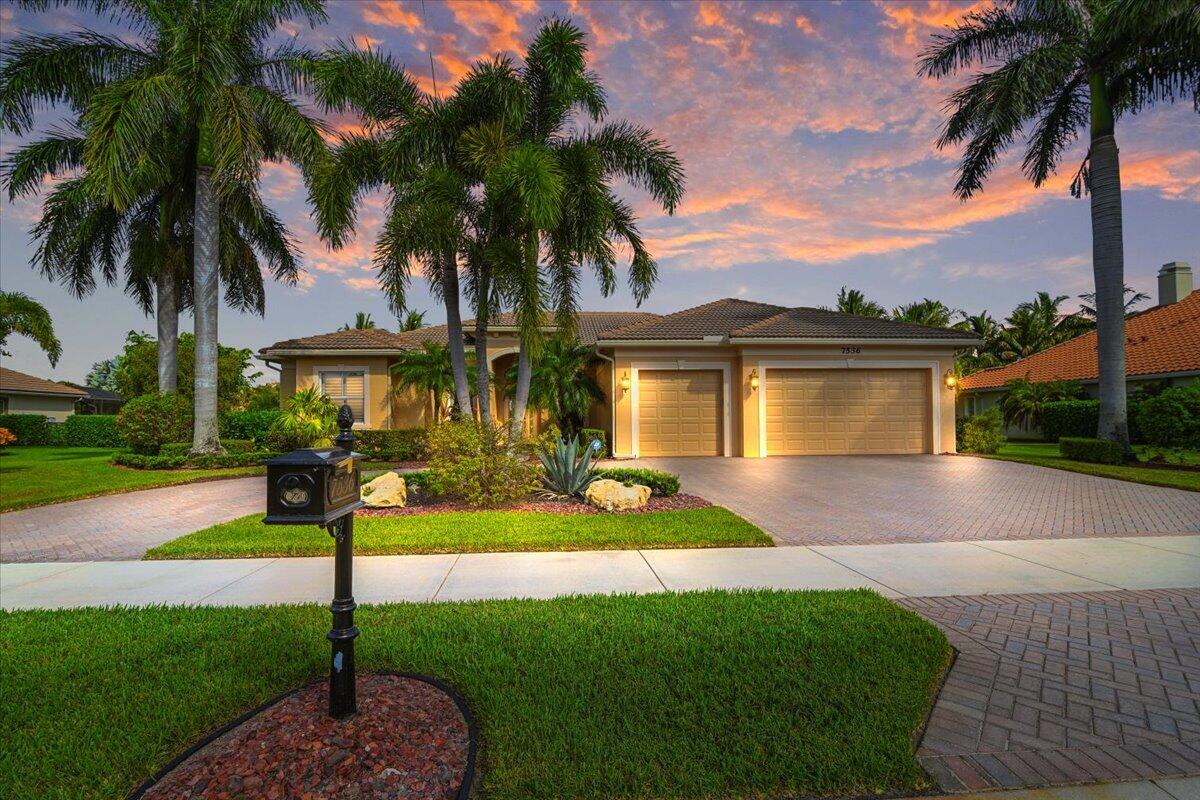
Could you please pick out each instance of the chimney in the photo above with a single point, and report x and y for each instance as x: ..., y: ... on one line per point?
x: 1174, y: 282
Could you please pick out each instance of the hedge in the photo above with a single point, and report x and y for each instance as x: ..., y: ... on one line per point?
x: 1171, y: 418
x: 661, y: 483
x: 1076, y: 418
x: 252, y: 425
x: 231, y: 446
x: 587, y: 435
x: 28, y: 428
x: 405, y: 444
x: 87, y: 430
x: 1093, y: 451
x: 127, y: 458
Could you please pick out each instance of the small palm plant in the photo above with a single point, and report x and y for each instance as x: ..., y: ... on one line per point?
x: 568, y: 470
x: 309, y: 419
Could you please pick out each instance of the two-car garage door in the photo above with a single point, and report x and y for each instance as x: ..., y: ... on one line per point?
x: 847, y: 411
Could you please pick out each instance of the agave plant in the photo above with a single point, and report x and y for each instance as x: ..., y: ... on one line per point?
x: 568, y: 470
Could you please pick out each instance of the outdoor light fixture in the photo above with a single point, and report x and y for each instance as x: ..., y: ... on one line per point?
x: 625, y: 382
x: 951, y: 380
x: 754, y: 379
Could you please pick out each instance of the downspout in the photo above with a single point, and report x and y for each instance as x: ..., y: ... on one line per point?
x: 612, y: 405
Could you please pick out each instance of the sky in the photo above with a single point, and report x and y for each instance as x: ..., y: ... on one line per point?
x: 809, y: 147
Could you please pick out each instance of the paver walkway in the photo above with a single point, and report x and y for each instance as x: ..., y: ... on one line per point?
x: 124, y: 526
x: 878, y: 499
x: 1065, y: 688
x: 1157, y: 789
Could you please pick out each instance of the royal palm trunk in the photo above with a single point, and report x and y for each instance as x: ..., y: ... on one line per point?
x: 205, y: 288
x: 520, y: 394
x: 454, y: 337
x: 167, y: 314
x: 482, y: 373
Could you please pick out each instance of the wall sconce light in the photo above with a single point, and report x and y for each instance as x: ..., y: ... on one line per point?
x: 625, y: 382
x: 951, y: 380
x: 754, y: 379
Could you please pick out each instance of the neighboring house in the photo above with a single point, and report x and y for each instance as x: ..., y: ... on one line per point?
x: 1162, y: 345
x: 98, y: 401
x: 731, y: 377
x: 25, y: 394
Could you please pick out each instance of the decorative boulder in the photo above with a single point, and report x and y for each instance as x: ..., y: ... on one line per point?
x: 613, y: 495
x: 386, y: 491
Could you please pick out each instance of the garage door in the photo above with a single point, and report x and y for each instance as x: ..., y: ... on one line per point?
x: 842, y: 411
x: 679, y: 413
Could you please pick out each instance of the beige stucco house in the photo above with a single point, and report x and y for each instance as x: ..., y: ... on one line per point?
x: 27, y: 394
x: 728, y: 378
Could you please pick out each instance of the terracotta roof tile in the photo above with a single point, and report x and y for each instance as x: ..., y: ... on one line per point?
x: 717, y: 318
x: 13, y: 381
x: 819, y: 323
x: 589, y: 325
x: 1160, y: 341
x: 353, y: 339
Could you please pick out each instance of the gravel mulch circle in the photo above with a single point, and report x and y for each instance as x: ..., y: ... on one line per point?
x: 408, y: 740
x: 424, y: 505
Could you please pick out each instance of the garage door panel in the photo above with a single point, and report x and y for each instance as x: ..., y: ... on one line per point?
x: 827, y: 412
x: 680, y: 413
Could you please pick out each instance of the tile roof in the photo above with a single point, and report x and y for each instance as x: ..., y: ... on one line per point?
x: 819, y: 323
x: 1160, y: 341
x: 13, y: 381
x: 717, y: 318
x: 589, y: 325
x: 353, y: 339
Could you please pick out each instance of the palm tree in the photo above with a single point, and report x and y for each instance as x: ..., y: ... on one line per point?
x: 1024, y: 401
x: 933, y: 313
x: 561, y: 383
x: 1037, y: 325
x: 198, y: 87
x: 1132, y: 298
x: 362, y: 322
x: 852, y: 301
x: 24, y: 316
x: 1052, y: 68
x: 988, y: 332
x: 412, y: 320
x: 429, y: 370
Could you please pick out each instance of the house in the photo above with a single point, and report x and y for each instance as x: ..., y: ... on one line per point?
x: 1162, y: 346
x: 97, y: 400
x: 728, y: 378
x: 26, y: 394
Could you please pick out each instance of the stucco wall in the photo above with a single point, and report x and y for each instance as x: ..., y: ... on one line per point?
x: 378, y: 405
x: 48, y: 406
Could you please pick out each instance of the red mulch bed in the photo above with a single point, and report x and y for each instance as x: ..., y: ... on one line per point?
x: 408, y: 740
x: 425, y: 505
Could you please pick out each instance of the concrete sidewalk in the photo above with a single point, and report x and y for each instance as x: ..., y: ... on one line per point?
x: 895, y: 570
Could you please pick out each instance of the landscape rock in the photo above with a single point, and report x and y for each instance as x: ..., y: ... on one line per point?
x: 386, y: 491
x: 613, y: 495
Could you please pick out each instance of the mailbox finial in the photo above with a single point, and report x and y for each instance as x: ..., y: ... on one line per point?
x: 345, y: 420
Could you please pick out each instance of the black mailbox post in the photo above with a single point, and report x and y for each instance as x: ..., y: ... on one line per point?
x: 321, y: 487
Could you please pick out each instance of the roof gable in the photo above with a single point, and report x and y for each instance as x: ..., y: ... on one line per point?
x: 717, y: 318
x: 19, y: 382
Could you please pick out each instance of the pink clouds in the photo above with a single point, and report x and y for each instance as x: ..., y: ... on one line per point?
x: 392, y: 14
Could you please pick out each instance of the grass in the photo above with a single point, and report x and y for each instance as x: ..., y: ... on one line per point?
x: 38, y: 476
x: 712, y: 694
x: 473, y: 532
x: 1046, y: 454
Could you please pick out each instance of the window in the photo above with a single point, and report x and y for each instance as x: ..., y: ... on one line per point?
x: 346, y: 387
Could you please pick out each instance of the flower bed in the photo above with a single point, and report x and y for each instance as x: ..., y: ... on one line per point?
x: 421, y: 503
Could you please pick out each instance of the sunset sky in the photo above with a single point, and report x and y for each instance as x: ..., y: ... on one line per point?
x: 809, y: 146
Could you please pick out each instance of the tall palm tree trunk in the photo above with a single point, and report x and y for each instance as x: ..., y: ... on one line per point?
x: 454, y: 337
x: 520, y: 394
x: 167, y: 313
x: 205, y: 286
x: 483, y: 378
x: 1108, y: 265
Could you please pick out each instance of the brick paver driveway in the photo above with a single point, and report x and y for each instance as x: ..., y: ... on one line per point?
x: 878, y: 499
x: 124, y: 526
x: 1065, y: 688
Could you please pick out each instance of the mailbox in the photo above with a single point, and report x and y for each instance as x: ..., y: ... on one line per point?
x: 312, y: 487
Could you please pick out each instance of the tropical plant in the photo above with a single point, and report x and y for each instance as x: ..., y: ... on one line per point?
x: 198, y: 87
x: 263, y: 397
x: 362, y: 322
x: 20, y: 314
x: 430, y: 370
x: 137, y: 371
x: 103, y: 374
x: 561, y: 382
x: 1024, y: 401
x: 478, y: 462
x: 981, y: 433
x: 983, y: 355
x: 309, y: 419
x: 933, y: 313
x: 1048, y: 69
x: 412, y: 320
x: 1037, y: 325
x: 853, y: 301
x: 1132, y: 298
x: 567, y: 469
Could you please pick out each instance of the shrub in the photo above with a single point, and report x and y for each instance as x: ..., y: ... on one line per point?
x: 1075, y: 418
x: 6, y: 438
x: 152, y: 420
x: 87, y: 430
x: 1024, y: 400
x: 477, y: 462
x: 175, y: 460
x: 568, y: 471
x: 1093, y: 451
x: 253, y: 425
x: 128, y: 458
x: 406, y: 444
x: 590, y: 434
x: 232, y: 446
x: 309, y: 420
x: 981, y: 433
x: 28, y: 428
x: 664, y: 484
x: 1170, y: 419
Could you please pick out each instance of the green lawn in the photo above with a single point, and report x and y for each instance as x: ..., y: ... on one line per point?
x: 749, y: 694
x: 1047, y: 455
x: 474, y: 532
x: 37, y: 476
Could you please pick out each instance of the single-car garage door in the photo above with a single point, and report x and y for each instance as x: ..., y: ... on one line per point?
x: 679, y: 413
x: 847, y: 411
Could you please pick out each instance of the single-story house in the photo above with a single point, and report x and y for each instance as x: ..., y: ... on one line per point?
x: 1162, y: 345
x: 26, y: 394
x: 728, y: 378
